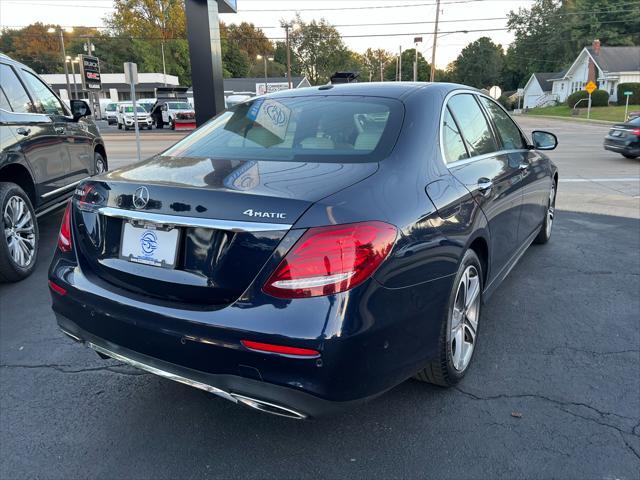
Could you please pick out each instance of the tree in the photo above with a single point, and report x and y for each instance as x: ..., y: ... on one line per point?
x: 371, y: 61
x: 408, y: 57
x: 319, y: 49
x: 479, y: 64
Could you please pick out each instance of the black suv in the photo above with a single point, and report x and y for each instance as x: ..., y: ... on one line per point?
x: 46, y: 149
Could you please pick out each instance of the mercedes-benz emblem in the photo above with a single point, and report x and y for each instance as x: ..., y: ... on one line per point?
x: 141, y: 197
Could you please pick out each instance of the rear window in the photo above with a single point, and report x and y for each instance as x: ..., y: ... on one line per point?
x: 179, y: 106
x: 331, y: 129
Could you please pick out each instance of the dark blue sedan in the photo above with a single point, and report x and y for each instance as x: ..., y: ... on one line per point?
x: 310, y: 249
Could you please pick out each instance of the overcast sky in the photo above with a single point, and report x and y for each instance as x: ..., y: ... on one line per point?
x: 455, y: 15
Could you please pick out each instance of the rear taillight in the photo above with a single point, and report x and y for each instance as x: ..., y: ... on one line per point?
x: 636, y: 131
x: 64, y: 238
x: 328, y: 260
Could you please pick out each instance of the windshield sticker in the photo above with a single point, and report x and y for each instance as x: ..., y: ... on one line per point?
x: 272, y: 115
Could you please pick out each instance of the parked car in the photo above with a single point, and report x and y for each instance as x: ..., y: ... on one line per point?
x: 126, y: 118
x: 111, y: 113
x: 624, y: 138
x: 46, y: 149
x: 168, y: 113
x: 310, y: 249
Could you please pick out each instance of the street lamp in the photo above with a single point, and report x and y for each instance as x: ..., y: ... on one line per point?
x: 265, y: 58
x: 73, y: 73
x: 293, y: 26
x: 416, y: 40
x: 64, y: 53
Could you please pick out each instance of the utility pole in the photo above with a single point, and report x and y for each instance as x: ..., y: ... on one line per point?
x: 380, y: 58
x: 400, y: 65
x: 286, y: 27
x: 435, y: 41
x: 164, y: 65
x: 64, y: 55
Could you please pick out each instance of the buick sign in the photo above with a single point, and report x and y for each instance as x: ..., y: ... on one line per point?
x: 90, y: 72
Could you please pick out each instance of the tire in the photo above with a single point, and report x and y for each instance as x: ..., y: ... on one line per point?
x: 99, y: 163
x: 172, y: 124
x: 15, y: 208
x: 545, y: 231
x: 119, y: 126
x: 449, y: 367
x: 628, y: 155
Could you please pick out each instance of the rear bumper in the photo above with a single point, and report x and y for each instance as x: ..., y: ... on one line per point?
x: 370, y: 339
x: 622, y: 146
x: 257, y: 394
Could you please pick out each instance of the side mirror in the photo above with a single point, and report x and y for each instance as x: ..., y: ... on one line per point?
x: 544, y: 140
x: 79, y: 109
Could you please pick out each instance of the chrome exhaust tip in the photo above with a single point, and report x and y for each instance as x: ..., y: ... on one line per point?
x: 268, y: 407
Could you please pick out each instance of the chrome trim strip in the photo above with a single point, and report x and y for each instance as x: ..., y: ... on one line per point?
x: 180, y: 221
x: 62, y: 189
x: 52, y: 207
x: 268, y: 407
x: 162, y: 373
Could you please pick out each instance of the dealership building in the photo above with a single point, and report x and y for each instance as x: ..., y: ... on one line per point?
x: 115, y: 88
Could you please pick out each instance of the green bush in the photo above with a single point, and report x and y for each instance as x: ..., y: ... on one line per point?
x: 599, y: 98
x: 626, y: 87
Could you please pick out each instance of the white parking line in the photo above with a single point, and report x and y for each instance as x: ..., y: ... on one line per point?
x: 584, y: 180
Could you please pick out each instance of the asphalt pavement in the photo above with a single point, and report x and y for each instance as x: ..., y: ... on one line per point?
x: 554, y: 390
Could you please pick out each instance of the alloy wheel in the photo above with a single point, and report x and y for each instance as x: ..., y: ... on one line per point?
x: 19, y: 231
x: 464, y: 320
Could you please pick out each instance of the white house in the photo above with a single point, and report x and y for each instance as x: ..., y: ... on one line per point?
x: 606, y: 66
x: 537, y: 91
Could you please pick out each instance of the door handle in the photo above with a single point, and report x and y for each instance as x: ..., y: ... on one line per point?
x: 59, y: 130
x: 23, y: 131
x: 484, y: 185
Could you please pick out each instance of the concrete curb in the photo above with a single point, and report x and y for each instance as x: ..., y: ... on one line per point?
x: 572, y: 119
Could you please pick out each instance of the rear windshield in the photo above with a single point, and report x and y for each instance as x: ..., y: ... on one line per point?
x: 179, y: 106
x: 331, y: 129
x: 129, y: 109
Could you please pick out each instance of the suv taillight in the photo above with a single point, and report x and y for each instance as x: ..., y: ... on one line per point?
x: 64, y: 238
x: 328, y: 260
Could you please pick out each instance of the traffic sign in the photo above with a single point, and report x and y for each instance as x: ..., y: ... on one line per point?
x: 495, y: 92
x: 627, y: 94
x: 591, y: 87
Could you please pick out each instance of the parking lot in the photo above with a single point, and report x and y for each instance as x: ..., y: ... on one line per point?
x: 554, y: 390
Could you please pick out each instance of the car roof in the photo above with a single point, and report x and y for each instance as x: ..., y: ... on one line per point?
x: 398, y: 90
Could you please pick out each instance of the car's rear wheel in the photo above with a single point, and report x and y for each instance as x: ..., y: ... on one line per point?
x: 459, y: 333
x: 99, y: 162
x: 545, y: 231
x: 19, y: 241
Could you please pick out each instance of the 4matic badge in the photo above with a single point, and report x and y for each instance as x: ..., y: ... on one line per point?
x: 255, y: 213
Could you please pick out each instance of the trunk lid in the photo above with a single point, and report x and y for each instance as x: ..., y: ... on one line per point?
x: 227, y: 218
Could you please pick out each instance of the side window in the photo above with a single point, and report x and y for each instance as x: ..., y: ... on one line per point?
x: 452, y: 142
x: 14, y: 91
x: 507, y: 129
x: 473, y: 124
x: 49, y: 103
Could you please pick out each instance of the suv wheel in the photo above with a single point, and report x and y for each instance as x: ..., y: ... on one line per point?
x: 19, y: 240
x: 119, y: 126
x: 99, y: 162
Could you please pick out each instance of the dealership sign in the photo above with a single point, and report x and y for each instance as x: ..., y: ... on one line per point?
x: 90, y: 72
x: 271, y: 87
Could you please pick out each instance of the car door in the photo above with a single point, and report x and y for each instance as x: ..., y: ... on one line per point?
x: 534, y: 179
x: 76, y: 138
x: 38, y: 140
x: 491, y: 176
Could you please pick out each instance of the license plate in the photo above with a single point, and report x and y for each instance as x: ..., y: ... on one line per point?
x: 150, y: 244
x: 617, y: 133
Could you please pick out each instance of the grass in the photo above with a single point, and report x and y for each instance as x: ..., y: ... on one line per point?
x: 611, y: 113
